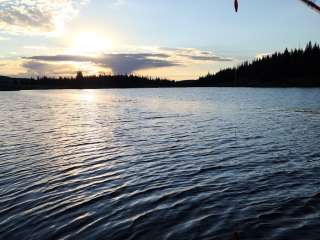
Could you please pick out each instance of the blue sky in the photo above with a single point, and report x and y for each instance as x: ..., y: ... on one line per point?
x: 177, y: 39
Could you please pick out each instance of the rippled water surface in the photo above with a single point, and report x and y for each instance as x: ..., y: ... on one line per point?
x: 152, y: 164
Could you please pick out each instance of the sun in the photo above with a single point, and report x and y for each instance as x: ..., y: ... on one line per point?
x: 91, y: 42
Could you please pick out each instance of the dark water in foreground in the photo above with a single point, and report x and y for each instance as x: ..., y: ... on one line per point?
x: 160, y: 164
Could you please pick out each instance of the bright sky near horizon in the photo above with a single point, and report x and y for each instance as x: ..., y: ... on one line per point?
x: 176, y: 39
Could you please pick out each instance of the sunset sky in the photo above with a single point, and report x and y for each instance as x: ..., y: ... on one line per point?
x: 176, y: 39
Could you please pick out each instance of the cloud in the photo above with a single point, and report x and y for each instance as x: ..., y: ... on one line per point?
x: 36, y: 16
x: 195, y: 54
x: 128, y: 63
x: 63, y: 58
x: 35, y: 68
x: 121, y: 63
x: 118, y: 63
x: 41, y: 48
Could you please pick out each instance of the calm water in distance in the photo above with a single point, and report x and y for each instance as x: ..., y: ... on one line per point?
x: 169, y: 164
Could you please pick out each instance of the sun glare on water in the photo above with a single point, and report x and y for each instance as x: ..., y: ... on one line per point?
x: 90, y: 42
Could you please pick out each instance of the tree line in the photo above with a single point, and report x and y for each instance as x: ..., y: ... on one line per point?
x: 86, y: 82
x: 297, y: 67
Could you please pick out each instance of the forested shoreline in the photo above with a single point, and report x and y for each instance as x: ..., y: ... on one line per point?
x: 291, y: 68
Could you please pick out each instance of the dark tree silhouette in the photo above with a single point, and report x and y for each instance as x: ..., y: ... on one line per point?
x: 79, y: 75
x: 298, y: 67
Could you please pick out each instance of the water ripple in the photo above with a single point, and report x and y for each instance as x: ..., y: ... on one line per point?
x: 186, y: 164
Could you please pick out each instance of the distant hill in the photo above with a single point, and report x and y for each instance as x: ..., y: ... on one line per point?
x: 8, y: 83
x: 298, y: 67
x: 5, y: 79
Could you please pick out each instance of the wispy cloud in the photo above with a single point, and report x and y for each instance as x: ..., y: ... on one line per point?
x: 36, y: 16
x: 194, y: 54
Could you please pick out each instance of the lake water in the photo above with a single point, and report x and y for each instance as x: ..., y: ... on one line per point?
x: 171, y: 164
